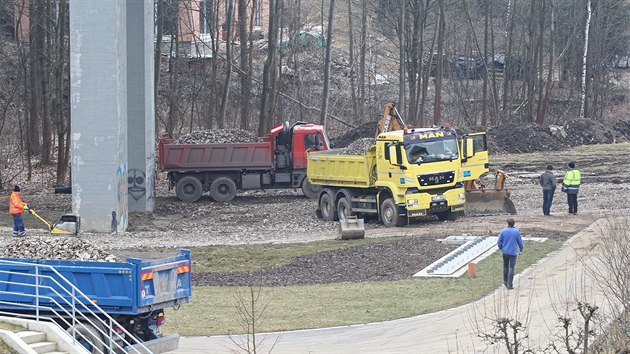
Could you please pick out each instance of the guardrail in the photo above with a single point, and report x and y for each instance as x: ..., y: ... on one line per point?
x: 76, y: 311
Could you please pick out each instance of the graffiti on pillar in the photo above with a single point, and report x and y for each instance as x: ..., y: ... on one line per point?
x: 121, y: 195
x: 136, y: 183
x: 150, y: 180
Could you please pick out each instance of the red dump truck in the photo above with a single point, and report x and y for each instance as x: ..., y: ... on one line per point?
x: 278, y: 161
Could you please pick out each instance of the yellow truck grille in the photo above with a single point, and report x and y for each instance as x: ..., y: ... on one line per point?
x: 433, y: 179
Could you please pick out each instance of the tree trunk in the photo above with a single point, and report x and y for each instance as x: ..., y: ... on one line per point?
x: 437, y: 106
x: 353, y: 92
x: 585, y: 80
x: 507, y: 68
x: 362, y: 57
x: 245, y: 78
x: 228, y: 58
x: 159, y: 32
x: 401, y: 55
x: 269, y: 68
x: 329, y: 36
x: 550, y: 74
x: 62, y: 124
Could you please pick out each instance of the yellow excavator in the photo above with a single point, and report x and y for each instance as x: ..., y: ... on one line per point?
x: 390, y: 121
x: 479, y: 199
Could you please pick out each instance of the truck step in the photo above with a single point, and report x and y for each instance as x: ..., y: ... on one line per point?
x: 31, y: 336
x: 43, y: 347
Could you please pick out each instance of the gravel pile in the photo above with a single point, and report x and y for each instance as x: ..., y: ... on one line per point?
x: 61, y: 248
x: 218, y: 136
x: 523, y: 138
x: 358, y: 147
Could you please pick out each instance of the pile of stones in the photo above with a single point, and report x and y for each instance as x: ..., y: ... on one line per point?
x: 218, y: 136
x: 59, y: 247
x: 358, y: 147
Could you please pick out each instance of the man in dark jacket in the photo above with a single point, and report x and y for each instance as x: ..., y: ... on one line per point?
x: 548, y: 183
x: 511, y: 244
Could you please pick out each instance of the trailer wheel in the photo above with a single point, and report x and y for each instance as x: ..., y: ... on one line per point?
x: 327, y: 207
x: 389, y: 214
x: 189, y: 189
x: 223, y: 189
x: 89, y: 337
x: 310, y: 190
x: 343, y: 208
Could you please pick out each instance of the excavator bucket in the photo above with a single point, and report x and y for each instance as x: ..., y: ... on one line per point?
x: 489, y: 202
x: 351, y: 228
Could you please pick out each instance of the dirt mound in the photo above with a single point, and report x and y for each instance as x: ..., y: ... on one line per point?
x: 358, y: 147
x: 365, y: 130
x: 530, y: 137
x: 218, y: 136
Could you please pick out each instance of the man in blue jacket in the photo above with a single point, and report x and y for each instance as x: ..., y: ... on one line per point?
x: 511, y: 244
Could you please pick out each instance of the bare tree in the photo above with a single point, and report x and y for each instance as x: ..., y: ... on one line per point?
x: 228, y: 58
x: 250, y: 311
x: 437, y: 105
x: 585, y: 80
x: 269, y: 70
x: 329, y: 36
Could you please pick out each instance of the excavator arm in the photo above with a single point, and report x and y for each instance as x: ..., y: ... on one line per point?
x: 390, y: 121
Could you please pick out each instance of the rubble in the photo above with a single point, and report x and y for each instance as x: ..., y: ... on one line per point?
x: 218, y: 136
x: 55, y: 247
x: 358, y: 147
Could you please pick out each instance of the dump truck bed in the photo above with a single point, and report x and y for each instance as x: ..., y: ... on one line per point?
x: 331, y: 169
x: 132, y: 287
x: 214, y: 157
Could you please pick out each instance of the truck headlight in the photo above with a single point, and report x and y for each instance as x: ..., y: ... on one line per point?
x: 462, y: 196
x: 412, y: 202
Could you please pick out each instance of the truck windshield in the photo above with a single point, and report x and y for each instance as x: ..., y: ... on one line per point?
x: 431, y: 151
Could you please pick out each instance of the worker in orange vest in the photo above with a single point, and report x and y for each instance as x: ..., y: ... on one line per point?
x: 16, y: 208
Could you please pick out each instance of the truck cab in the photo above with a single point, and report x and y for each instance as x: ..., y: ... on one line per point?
x: 293, y: 143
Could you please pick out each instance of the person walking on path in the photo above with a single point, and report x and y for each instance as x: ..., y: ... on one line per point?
x: 511, y: 244
x: 16, y: 208
x: 571, y: 185
x: 548, y: 183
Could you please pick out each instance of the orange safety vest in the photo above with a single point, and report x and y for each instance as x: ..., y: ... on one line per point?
x: 16, y: 205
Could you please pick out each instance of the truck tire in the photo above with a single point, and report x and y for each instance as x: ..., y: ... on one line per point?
x: 447, y: 215
x: 310, y: 190
x: 89, y: 337
x: 343, y: 208
x: 223, y: 189
x: 389, y: 214
x: 327, y: 207
x: 189, y: 189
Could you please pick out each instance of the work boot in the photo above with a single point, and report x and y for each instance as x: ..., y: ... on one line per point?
x: 21, y: 233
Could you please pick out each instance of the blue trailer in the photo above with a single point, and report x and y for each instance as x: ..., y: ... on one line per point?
x: 109, y: 307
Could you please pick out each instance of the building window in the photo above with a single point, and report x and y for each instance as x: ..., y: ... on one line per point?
x: 257, y: 13
x: 205, y: 16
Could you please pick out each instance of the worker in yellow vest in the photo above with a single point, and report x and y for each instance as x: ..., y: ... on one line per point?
x: 571, y: 186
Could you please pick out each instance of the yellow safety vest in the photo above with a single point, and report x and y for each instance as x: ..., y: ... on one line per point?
x: 572, y: 180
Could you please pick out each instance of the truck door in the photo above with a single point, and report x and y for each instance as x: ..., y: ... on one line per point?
x: 304, y: 143
x: 474, y: 153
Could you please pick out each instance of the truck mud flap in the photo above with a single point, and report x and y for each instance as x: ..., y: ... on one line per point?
x: 156, y: 346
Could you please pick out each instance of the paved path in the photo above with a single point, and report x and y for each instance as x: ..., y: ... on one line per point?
x: 542, y: 292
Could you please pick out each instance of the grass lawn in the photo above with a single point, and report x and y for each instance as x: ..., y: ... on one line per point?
x: 214, y: 310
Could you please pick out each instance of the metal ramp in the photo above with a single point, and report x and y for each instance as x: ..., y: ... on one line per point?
x: 457, y: 259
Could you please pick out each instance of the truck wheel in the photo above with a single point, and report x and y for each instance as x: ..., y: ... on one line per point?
x: 88, y: 337
x: 389, y: 214
x: 327, y: 207
x: 447, y: 215
x: 310, y: 190
x: 223, y: 189
x: 189, y: 189
x: 343, y: 208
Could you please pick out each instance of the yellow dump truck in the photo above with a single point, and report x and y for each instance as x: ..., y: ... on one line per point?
x: 406, y: 174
